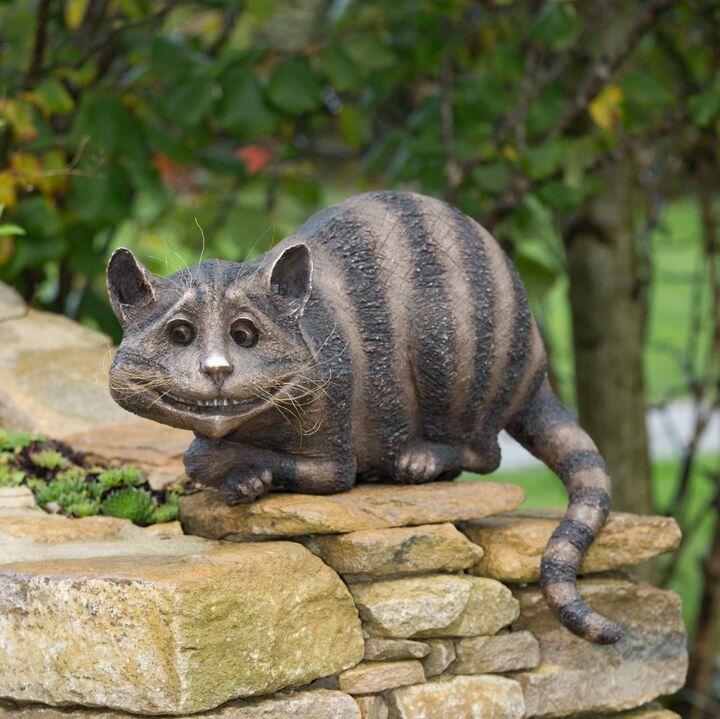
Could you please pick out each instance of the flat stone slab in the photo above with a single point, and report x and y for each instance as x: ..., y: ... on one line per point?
x: 441, y: 605
x: 34, y: 535
x: 173, y: 634
x: 514, y: 543
x: 379, y: 649
x: 367, y: 506
x: 376, y: 677
x: 309, y: 704
x: 460, y: 698
x: 579, y: 677
x: 400, y: 550
x: 502, y: 653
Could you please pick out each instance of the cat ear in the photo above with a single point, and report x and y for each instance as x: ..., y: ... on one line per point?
x: 291, y: 277
x: 130, y: 284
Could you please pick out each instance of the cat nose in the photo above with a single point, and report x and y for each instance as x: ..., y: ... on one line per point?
x: 216, y: 365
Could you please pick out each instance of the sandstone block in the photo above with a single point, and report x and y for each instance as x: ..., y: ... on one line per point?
x: 441, y: 605
x: 13, y: 499
x: 374, y: 677
x: 367, y: 506
x: 579, y: 677
x: 496, y: 655
x: 460, y: 698
x: 410, y: 550
x: 514, y: 543
x: 35, y: 535
x: 310, y: 704
x: 372, y: 707
x: 173, y: 634
x: 378, y: 649
x: 442, y: 655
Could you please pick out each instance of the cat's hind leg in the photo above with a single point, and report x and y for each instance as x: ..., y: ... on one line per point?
x: 424, y: 461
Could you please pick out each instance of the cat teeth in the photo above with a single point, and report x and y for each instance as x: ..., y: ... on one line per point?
x: 217, y: 402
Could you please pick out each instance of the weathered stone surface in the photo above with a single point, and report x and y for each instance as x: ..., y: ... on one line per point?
x: 372, y: 707
x: 577, y: 676
x: 53, y: 380
x: 12, y: 305
x: 173, y: 634
x: 409, y: 550
x: 458, y: 698
x: 153, y: 447
x: 310, y: 704
x: 374, y: 677
x: 367, y: 506
x: 13, y: 499
x: 441, y: 605
x: 442, y: 655
x: 51, y: 376
x: 34, y: 535
x: 514, y: 543
x: 379, y: 649
x: 502, y: 653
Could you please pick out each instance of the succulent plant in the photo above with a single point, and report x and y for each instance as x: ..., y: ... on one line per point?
x: 10, y: 476
x: 120, y: 477
x: 131, y: 503
x: 86, y: 508
x: 49, y: 459
x: 17, y: 441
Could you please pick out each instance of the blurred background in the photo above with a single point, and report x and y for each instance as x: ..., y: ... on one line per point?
x: 583, y: 134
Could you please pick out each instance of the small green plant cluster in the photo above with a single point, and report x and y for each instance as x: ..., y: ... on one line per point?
x: 62, y: 484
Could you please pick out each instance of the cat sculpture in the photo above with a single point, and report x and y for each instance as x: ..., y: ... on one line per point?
x: 388, y: 338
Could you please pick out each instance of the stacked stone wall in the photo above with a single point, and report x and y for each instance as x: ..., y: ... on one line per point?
x: 381, y: 603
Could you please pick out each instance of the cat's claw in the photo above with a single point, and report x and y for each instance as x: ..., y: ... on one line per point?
x: 243, y: 486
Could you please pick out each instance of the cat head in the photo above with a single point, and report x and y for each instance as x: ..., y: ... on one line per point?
x: 212, y: 346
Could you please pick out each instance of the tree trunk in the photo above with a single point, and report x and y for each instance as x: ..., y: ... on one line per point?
x: 608, y: 321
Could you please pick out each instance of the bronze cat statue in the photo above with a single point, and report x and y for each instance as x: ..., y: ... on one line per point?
x: 389, y: 337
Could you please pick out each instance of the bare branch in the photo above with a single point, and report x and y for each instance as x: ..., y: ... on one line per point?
x: 39, y: 43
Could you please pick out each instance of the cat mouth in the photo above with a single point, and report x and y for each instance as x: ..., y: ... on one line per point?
x: 213, y: 406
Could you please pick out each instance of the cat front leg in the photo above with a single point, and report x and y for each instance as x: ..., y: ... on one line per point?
x: 244, y: 473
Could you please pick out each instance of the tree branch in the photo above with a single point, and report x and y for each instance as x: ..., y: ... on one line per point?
x: 38, y: 52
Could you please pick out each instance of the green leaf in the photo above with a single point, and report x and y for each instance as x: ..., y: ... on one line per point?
x: 355, y: 126
x: 242, y: 109
x: 705, y: 107
x: 55, y: 96
x: 342, y: 72
x: 492, y: 177
x: 537, y: 274
x: 366, y: 50
x: 189, y: 103
x: 11, y: 230
x: 293, y: 87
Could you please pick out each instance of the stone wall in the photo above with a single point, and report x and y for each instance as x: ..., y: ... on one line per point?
x: 402, y: 602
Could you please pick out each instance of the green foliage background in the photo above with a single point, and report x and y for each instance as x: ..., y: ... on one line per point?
x: 138, y: 122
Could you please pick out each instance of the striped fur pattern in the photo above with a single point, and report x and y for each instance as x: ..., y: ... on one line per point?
x: 388, y: 338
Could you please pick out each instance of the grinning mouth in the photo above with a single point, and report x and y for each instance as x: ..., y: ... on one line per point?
x: 216, y: 405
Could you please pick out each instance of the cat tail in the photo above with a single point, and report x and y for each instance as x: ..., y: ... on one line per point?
x: 547, y: 429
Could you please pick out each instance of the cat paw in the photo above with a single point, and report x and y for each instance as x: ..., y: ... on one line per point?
x: 421, y: 462
x: 243, y: 486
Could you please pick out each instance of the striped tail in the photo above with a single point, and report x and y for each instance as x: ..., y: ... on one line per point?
x: 547, y: 429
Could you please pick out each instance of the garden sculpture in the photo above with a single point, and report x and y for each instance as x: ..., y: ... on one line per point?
x: 388, y: 338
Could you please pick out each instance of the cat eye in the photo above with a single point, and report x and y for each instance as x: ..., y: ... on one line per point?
x: 181, y: 332
x: 244, y: 333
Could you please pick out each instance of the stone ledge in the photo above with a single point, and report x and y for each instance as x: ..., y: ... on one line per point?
x: 366, y: 506
x: 401, y: 550
x: 439, y: 605
x: 649, y: 661
x: 514, y: 543
x: 174, y: 634
x: 461, y: 697
x: 309, y: 704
